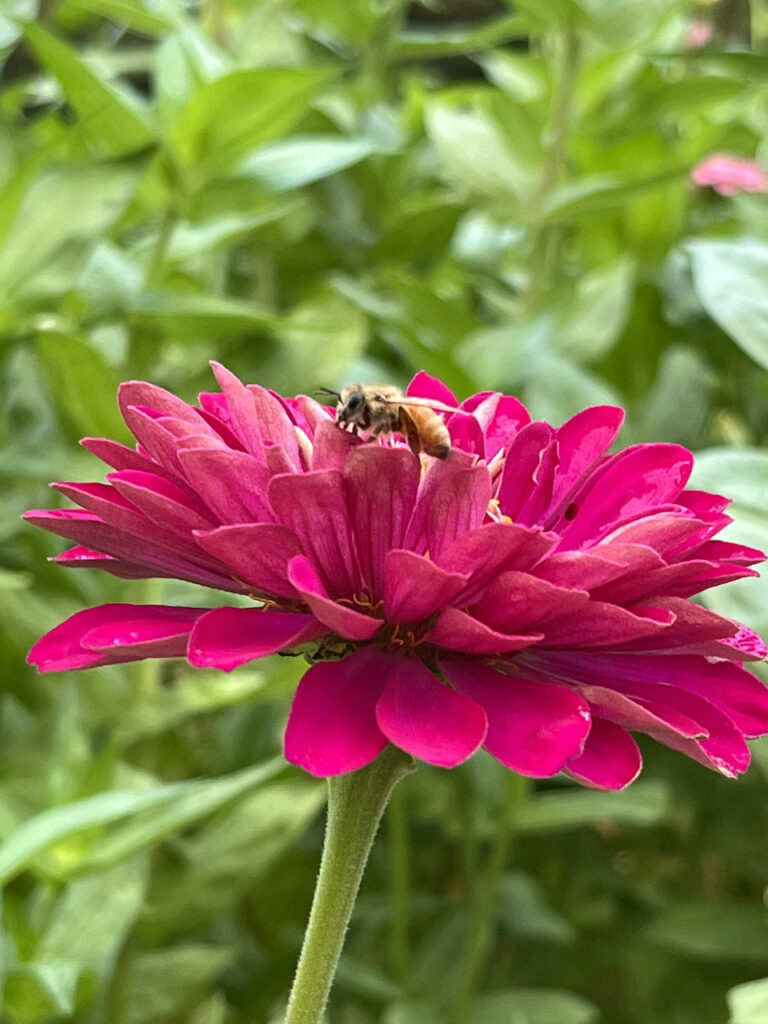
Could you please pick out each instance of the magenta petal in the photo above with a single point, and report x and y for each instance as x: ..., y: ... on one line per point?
x: 601, y: 624
x: 455, y: 630
x: 533, y: 728
x: 501, y: 417
x: 227, y: 637
x: 519, y: 601
x: 138, y: 393
x: 485, y: 552
x: 452, y: 502
x: 415, y: 587
x: 114, y: 633
x: 257, y: 554
x: 80, y: 557
x: 425, y: 386
x: 231, y: 483
x: 610, y: 759
x: 342, y: 619
x: 581, y: 441
x: 161, y: 500
x: 332, y: 726
x: 332, y: 446
x: 381, y: 486
x: 313, y: 505
x: 116, y: 455
x: 427, y: 719
x: 636, y: 479
x: 87, y: 529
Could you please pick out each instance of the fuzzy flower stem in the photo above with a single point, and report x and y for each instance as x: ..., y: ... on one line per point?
x: 356, y: 802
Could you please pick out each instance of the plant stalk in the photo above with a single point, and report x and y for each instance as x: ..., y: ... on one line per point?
x: 356, y: 802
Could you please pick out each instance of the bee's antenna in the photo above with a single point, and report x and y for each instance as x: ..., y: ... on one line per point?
x: 327, y: 391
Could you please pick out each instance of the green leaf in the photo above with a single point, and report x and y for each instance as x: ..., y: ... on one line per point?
x: 83, y: 385
x: 41, y: 831
x: 714, y: 930
x: 41, y: 990
x: 192, y: 694
x: 597, y: 192
x: 532, y: 1006
x: 431, y: 43
x: 302, y: 159
x: 93, y: 915
x: 596, y: 312
x: 43, y: 223
x: 459, y: 135
x: 153, y: 18
x: 198, y: 315
x: 413, y: 1013
x: 165, y: 982
x: 730, y: 279
x: 114, y: 121
x: 739, y: 473
x: 645, y: 804
x: 192, y: 802
x: 255, y: 832
x: 234, y: 114
x: 748, y: 1003
x: 521, y: 909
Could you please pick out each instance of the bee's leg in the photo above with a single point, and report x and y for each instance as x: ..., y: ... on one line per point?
x: 411, y: 432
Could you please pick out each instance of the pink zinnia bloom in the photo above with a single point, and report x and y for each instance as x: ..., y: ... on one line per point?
x: 699, y: 33
x: 729, y: 175
x: 529, y: 594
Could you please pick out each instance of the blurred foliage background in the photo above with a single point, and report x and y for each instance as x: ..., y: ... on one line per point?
x: 318, y: 192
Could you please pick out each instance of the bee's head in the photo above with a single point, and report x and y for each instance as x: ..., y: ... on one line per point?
x: 352, y: 407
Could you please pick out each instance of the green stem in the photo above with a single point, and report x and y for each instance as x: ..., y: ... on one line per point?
x: 160, y: 248
x: 356, y: 802
x: 543, y: 236
x: 482, y: 912
x: 400, y: 885
x: 758, y: 18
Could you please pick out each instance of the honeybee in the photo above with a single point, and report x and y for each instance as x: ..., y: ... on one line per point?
x: 383, y: 409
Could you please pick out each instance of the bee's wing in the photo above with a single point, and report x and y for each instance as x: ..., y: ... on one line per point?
x: 425, y: 403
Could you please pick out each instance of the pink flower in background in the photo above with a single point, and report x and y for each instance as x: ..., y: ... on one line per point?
x: 699, y: 33
x: 529, y: 594
x: 729, y: 175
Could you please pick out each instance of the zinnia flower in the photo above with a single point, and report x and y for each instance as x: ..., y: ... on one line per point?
x: 699, y: 33
x: 529, y: 594
x: 729, y: 175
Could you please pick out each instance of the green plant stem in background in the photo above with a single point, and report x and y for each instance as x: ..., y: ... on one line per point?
x: 482, y: 910
x: 397, y: 821
x: 565, y: 58
x: 758, y: 18
x: 356, y: 802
